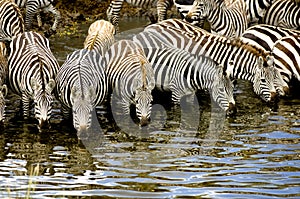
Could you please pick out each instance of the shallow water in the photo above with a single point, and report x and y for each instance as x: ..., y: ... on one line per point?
x: 189, y: 152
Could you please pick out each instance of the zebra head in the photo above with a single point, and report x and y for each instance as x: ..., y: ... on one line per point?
x: 3, y: 93
x: 199, y: 11
x: 82, y: 107
x: 263, y: 83
x: 42, y: 97
x: 281, y: 86
x: 222, y: 90
x: 143, y: 88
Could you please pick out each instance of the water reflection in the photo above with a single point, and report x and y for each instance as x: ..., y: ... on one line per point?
x: 190, y: 151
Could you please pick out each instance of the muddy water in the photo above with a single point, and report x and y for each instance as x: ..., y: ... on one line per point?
x: 188, y: 152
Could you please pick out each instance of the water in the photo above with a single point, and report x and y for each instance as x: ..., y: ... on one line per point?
x: 190, y: 152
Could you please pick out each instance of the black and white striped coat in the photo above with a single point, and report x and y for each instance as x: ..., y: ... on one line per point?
x: 131, y: 77
x: 183, y: 73
x: 33, y: 7
x: 81, y: 85
x: 265, y: 36
x: 12, y: 22
x: 230, y: 21
x: 287, y: 51
x: 246, y: 61
x: 31, y: 72
x: 283, y: 13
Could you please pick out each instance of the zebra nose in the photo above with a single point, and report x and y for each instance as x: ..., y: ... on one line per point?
x: 286, y: 90
x: 82, y: 128
x: 188, y: 18
x: 144, y: 121
x: 44, y: 123
x: 232, y: 109
x: 273, y: 96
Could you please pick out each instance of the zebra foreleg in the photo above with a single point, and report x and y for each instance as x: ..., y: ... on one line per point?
x: 25, y: 105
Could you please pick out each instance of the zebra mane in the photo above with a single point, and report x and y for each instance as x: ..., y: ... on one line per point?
x: 144, y: 73
x: 251, y: 48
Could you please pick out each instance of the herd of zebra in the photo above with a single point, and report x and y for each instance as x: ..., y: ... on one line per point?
x: 172, y: 55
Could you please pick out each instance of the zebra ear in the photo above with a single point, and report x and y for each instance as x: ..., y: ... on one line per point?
x: 4, y: 90
x: 73, y: 94
x: 51, y: 84
x: 260, y: 62
x: 34, y: 85
x: 91, y: 92
x: 270, y: 60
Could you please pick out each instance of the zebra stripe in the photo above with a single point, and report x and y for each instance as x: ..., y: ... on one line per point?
x: 228, y: 21
x: 183, y: 73
x: 130, y: 77
x: 256, y: 10
x: 11, y: 23
x: 3, y: 77
x: 100, y: 36
x: 284, y: 13
x: 265, y: 36
x: 249, y: 63
x: 81, y: 85
x: 287, y: 51
x: 113, y: 11
x: 32, y: 69
x: 33, y: 7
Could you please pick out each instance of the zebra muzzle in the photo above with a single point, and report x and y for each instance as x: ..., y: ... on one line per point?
x: 231, y: 109
x: 144, y: 121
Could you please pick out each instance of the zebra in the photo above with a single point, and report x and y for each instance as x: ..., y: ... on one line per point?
x: 11, y: 23
x: 81, y: 84
x: 100, y: 36
x: 228, y: 21
x: 115, y: 7
x: 183, y: 73
x: 31, y: 72
x: 287, y: 51
x: 264, y: 37
x: 130, y: 77
x: 244, y: 61
x: 33, y: 7
x: 283, y: 13
x: 3, y: 77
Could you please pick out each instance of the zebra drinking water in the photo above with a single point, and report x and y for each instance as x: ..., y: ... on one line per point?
x: 12, y: 22
x: 33, y: 7
x: 100, y: 36
x: 249, y: 63
x: 131, y: 77
x: 81, y: 85
x: 31, y: 72
x: 265, y: 36
x: 183, y: 73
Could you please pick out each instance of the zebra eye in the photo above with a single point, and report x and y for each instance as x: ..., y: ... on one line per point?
x: 263, y: 80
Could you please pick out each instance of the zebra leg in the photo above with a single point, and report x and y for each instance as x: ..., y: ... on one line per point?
x: 162, y: 6
x: 39, y: 20
x: 57, y: 18
x: 31, y: 10
x: 25, y: 105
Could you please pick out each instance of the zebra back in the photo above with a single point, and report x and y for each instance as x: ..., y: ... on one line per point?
x: 250, y: 63
x: 182, y: 73
x: 32, y: 69
x: 228, y: 21
x: 12, y: 22
x: 100, y: 36
x: 131, y: 77
x: 81, y: 85
x: 286, y: 52
x: 283, y: 13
